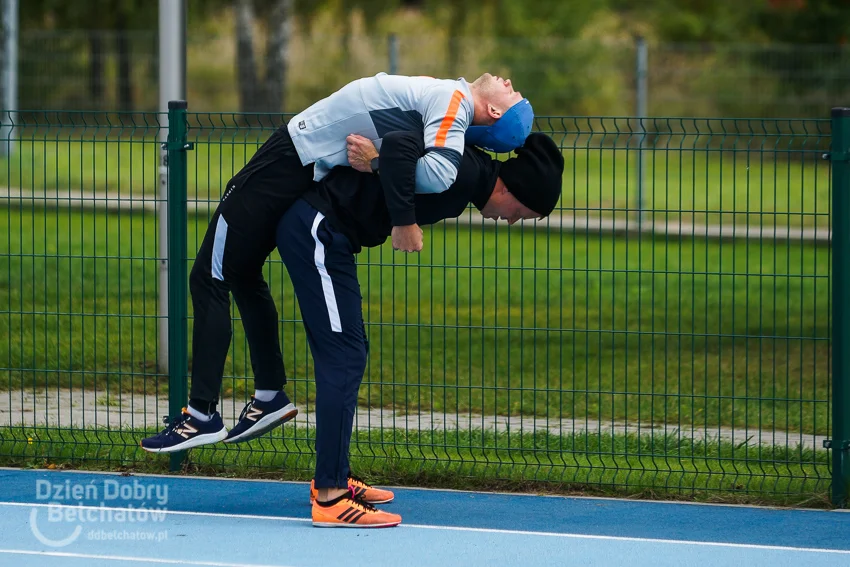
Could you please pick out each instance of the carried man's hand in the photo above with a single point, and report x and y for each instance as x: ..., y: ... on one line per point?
x: 407, y: 238
x: 361, y: 152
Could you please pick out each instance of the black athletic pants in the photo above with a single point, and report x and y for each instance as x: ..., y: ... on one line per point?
x: 238, y: 240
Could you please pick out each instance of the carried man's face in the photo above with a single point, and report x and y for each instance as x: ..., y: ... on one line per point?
x: 500, y: 92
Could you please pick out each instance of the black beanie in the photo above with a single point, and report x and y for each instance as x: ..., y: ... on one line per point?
x: 535, y: 175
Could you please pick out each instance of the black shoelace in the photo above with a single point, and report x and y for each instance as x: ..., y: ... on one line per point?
x: 175, y: 421
x: 358, y: 479
x: 362, y: 502
x: 245, y: 409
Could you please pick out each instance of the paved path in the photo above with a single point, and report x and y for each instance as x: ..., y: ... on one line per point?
x: 88, y: 409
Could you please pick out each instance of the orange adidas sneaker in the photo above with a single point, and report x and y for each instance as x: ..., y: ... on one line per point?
x: 362, y: 490
x: 349, y: 511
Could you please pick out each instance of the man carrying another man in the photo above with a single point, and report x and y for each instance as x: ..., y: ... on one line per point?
x: 317, y: 239
x: 436, y: 117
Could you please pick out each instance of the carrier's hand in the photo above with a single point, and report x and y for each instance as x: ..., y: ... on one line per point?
x: 361, y: 152
x: 407, y: 238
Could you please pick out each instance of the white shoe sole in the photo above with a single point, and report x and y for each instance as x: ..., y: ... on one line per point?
x: 197, y: 441
x: 266, y: 424
x: 346, y: 525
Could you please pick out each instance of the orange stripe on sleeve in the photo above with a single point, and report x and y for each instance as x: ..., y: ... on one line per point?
x: 448, y: 119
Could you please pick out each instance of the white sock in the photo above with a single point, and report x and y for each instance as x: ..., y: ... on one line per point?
x: 199, y: 415
x: 265, y: 395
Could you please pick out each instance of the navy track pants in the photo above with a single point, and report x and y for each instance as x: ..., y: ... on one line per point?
x: 321, y: 265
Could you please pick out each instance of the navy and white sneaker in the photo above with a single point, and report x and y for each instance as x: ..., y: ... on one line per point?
x: 185, y: 432
x: 260, y: 417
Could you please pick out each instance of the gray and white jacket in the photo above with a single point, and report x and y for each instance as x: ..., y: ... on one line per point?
x: 441, y: 109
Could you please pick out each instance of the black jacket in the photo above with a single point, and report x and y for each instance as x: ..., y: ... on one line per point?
x: 355, y: 204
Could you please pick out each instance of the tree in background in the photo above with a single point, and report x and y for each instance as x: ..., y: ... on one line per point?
x: 263, y: 89
x: 263, y: 93
x: 806, y: 21
x: 536, y: 44
x: 101, y: 20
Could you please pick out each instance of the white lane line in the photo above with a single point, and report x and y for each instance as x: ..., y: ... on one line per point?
x: 466, y: 529
x: 128, y: 558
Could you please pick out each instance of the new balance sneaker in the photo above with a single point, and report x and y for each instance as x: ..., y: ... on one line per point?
x: 361, y: 490
x: 260, y: 417
x: 185, y: 432
x: 349, y: 511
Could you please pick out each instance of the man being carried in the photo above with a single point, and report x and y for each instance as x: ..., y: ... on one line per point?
x: 241, y: 234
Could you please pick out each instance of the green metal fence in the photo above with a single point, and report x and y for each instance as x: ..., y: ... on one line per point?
x: 682, y: 346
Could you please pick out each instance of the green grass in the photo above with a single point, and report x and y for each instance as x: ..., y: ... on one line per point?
x: 745, y: 187
x: 500, y: 321
x: 658, y: 466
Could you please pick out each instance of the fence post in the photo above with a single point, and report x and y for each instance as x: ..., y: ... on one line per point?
x: 392, y: 47
x: 641, y: 72
x: 840, y: 442
x: 172, y: 86
x: 10, y: 75
x: 178, y: 358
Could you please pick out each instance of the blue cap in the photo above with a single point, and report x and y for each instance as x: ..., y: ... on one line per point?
x: 507, y: 133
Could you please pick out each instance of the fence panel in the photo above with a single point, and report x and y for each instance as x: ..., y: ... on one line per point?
x: 79, y: 285
x: 676, y: 344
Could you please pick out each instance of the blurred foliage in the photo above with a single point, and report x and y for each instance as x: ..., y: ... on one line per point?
x: 707, y: 57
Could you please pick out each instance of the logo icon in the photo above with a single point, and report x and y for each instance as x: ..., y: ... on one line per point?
x: 186, y: 430
x: 48, y: 541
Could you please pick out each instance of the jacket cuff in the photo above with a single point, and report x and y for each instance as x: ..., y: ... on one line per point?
x: 404, y: 217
